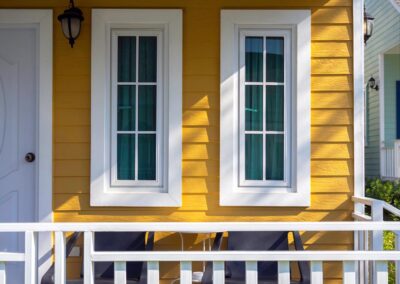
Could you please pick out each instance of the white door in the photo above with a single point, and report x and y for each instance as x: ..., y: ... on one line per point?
x: 18, y: 90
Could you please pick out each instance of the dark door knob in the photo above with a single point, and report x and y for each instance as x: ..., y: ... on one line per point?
x: 30, y: 157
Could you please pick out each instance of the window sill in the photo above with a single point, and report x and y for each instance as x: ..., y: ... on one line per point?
x: 270, y: 199
x: 139, y: 199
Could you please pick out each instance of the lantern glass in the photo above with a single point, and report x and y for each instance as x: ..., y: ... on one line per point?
x: 369, y: 26
x: 71, y: 27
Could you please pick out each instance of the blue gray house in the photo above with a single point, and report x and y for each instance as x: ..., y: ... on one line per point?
x: 382, y: 91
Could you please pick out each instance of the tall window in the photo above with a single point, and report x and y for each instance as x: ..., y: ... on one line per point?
x: 264, y: 100
x: 265, y: 108
x: 136, y: 112
x: 136, y: 108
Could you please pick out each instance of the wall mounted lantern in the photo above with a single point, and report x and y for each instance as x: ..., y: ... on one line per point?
x: 372, y: 84
x: 368, y: 25
x: 71, y: 22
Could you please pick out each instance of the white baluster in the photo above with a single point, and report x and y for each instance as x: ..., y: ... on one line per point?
x: 60, y: 261
x: 2, y: 273
x: 218, y: 272
x: 381, y: 272
x: 30, y: 257
x: 120, y: 272
x: 88, y: 267
x: 186, y: 272
x: 251, y: 272
x: 284, y: 272
x: 153, y: 272
x: 349, y: 272
x: 317, y: 275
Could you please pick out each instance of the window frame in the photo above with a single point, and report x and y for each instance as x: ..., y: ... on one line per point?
x: 264, y: 33
x: 103, y: 192
x: 150, y: 185
x: 297, y: 191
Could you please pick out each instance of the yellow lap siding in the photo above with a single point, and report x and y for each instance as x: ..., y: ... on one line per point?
x: 327, y: 100
x: 331, y: 134
x: 331, y: 49
x: 343, y: 66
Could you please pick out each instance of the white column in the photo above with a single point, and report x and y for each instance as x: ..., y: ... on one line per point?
x: 60, y: 261
x: 397, y: 263
x: 153, y: 272
x: 30, y: 257
x: 251, y: 272
x: 349, y: 272
x: 284, y: 272
x: 2, y: 273
x: 377, y: 236
x: 218, y: 272
x: 317, y: 275
x: 381, y: 272
x: 88, y: 267
x: 120, y: 272
x: 186, y: 272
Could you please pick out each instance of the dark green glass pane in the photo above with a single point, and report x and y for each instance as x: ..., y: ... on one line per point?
x: 147, y: 157
x: 254, y: 59
x: 254, y: 108
x: 274, y: 58
x: 253, y: 157
x: 126, y: 108
x: 274, y: 108
x: 147, y: 108
x: 274, y: 157
x: 148, y: 59
x: 126, y: 59
x: 126, y: 156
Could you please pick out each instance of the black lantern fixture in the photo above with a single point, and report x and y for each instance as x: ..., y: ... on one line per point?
x: 372, y: 84
x: 71, y: 22
x: 368, y: 25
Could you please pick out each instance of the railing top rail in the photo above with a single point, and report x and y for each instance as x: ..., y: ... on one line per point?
x: 200, y: 227
x: 247, y: 256
x: 11, y: 256
x: 369, y: 201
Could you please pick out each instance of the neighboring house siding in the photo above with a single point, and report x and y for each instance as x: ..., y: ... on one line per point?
x: 385, y: 36
x: 331, y: 131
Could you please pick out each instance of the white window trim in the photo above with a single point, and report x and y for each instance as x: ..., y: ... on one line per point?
x: 170, y: 22
x: 231, y: 193
x: 259, y: 185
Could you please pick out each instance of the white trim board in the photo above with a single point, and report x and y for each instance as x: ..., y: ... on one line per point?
x: 381, y: 72
x: 358, y: 86
x: 43, y: 22
x: 298, y: 193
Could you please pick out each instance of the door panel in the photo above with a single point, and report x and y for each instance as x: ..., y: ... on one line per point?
x: 18, y: 90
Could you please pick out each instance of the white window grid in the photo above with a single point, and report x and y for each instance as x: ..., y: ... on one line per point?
x: 152, y: 185
x: 264, y: 33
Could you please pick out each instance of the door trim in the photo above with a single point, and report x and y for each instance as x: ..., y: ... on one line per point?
x: 42, y: 21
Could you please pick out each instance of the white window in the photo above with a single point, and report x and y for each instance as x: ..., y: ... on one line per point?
x: 136, y: 107
x: 265, y: 108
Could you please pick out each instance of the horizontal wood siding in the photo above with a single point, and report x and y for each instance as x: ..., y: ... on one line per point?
x: 331, y: 129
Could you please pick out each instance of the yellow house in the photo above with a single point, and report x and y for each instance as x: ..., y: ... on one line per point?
x: 182, y: 111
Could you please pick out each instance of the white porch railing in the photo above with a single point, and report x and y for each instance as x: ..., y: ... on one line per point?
x: 353, y: 261
x: 391, y: 161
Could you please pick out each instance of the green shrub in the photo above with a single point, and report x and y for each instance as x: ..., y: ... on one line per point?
x: 388, y: 191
